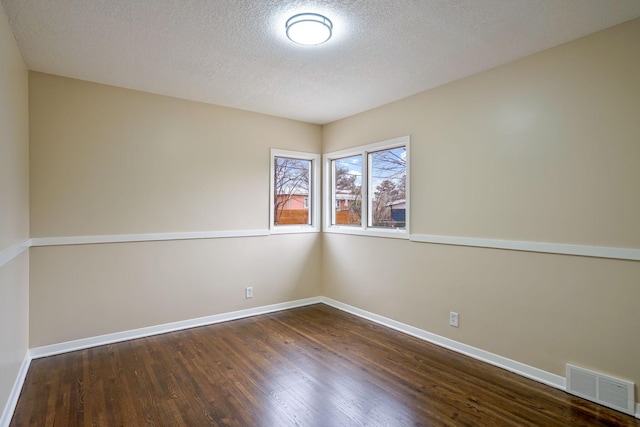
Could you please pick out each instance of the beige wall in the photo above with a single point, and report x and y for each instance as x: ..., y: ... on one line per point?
x: 14, y: 135
x: 14, y: 209
x: 543, y: 149
x: 106, y: 160
x: 88, y: 290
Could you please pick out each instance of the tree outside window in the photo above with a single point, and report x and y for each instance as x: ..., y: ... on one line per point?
x: 348, y: 191
x: 367, y: 189
x: 388, y: 179
x: 292, y: 178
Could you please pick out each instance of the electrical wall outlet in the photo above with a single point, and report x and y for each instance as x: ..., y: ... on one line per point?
x: 453, y: 319
x: 249, y: 292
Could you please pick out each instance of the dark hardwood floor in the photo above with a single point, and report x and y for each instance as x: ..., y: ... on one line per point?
x: 310, y: 366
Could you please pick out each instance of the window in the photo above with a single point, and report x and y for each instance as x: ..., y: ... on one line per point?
x: 387, y: 188
x: 367, y: 189
x: 346, y: 174
x: 294, y: 192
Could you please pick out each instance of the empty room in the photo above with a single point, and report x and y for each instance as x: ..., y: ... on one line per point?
x: 319, y: 213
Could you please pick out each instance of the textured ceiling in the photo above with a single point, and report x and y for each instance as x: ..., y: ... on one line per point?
x: 235, y: 52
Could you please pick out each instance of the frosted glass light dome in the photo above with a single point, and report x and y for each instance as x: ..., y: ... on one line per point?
x: 309, y: 29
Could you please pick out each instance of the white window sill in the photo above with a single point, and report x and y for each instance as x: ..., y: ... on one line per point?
x: 293, y: 229
x: 371, y: 232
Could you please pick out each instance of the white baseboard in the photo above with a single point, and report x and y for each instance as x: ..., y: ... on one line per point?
x: 10, y: 407
x: 65, y: 347
x: 527, y: 371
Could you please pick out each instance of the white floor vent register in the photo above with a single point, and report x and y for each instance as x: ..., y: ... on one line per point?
x: 603, y: 389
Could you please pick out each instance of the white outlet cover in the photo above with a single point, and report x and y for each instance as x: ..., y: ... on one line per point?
x: 453, y: 319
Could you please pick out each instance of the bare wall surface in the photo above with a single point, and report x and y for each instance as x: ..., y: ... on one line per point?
x: 106, y: 160
x: 542, y: 149
x: 543, y: 310
x: 14, y: 210
x: 545, y: 149
x: 14, y: 321
x: 82, y: 291
x: 14, y: 140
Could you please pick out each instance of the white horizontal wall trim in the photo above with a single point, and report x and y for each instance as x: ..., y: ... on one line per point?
x: 50, y: 350
x: 15, y: 250
x: 631, y: 254
x: 515, y: 245
x: 527, y: 371
x: 10, y: 407
x: 151, y: 237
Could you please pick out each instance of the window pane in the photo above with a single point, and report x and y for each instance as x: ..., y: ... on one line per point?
x: 347, y: 191
x: 292, y: 181
x: 387, y: 186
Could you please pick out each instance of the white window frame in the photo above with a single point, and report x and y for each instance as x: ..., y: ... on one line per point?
x: 327, y: 190
x: 314, y: 193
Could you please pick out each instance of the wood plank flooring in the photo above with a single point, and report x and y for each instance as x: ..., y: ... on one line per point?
x: 310, y: 366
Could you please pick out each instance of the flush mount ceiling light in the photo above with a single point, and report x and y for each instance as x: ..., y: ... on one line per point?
x: 309, y: 28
